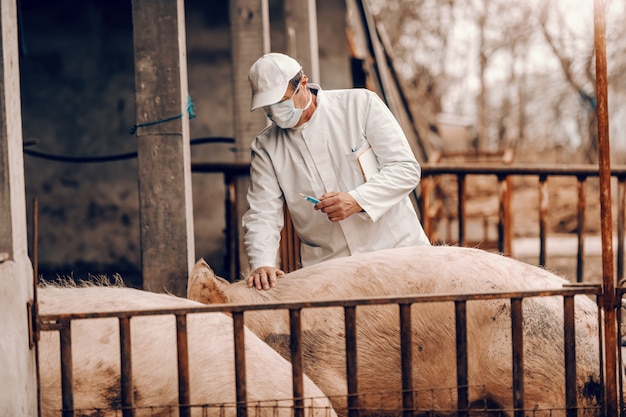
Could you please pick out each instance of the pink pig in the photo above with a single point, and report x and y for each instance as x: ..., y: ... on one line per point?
x: 425, y: 270
x: 96, y: 359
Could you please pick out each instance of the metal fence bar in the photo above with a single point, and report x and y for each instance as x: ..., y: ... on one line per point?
x: 582, y: 204
x: 182, y: 348
x: 544, y: 198
x: 232, y: 259
x: 67, y: 401
x: 517, y: 333
x: 461, y: 207
x: 621, y: 210
x: 579, y: 171
x: 620, y: 336
x: 240, y: 364
x: 295, y: 329
x: 587, y: 289
x: 62, y: 323
x: 231, y: 171
x: 290, y: 244
x: 504, y: 226
x: 406, y: 353
x: 351, y: 361
x: 492, y: 168
x: 460, y: 311
x: 569, y: 340
x: 609, y: 302
x: 601, y: 340
x: 428, y: 204
x: 126, y: 378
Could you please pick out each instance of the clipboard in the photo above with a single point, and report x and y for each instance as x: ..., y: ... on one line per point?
x: 368, y: 163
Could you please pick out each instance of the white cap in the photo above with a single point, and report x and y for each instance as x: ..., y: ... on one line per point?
x: 269, y: 78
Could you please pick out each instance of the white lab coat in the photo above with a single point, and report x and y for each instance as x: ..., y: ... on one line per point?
x: 321, y: 156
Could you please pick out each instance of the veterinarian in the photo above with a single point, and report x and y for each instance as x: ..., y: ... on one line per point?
x: 338, y: 159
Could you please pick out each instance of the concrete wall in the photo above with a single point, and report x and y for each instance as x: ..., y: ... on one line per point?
x: 78, y: 100
x: 17, y: 367
x: 18, y: 396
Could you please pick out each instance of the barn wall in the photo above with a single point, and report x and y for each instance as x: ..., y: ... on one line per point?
x: 78, y: 100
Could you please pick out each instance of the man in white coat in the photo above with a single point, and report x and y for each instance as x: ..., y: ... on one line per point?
x: 340, y: 162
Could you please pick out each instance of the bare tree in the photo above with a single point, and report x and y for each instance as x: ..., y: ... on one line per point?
x: 524, y: 69
x: 577, y: 66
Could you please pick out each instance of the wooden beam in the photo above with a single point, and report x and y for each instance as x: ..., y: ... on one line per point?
x: 166, y: 217
x: 249, y: 23
x: 301, y: 23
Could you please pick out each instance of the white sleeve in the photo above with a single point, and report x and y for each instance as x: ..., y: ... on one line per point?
x: 264, y: 219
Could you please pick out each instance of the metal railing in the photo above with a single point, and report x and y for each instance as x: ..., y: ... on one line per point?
x: 504, y: 174
x: 427, y: 204
x: 409, y: 404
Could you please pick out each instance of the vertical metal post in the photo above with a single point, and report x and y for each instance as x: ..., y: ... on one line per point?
x: 351, y: 361
x: 610, y: 302
x: 508, y: 216
x: 290, y: 244
x: 517, y: 338
x: 126, y: 379
x: 67, y: 394
x: 232, y: 260
x: 543, y: 217
x: 460, y: 310
x: 406, y: 351
x: 295, y: 328
x: 569, y: 341
x: 621, y: 207
x: 427, y: 185
x: 581, y: 229
x: 504, y: 244
x: 184, y: 385
x: 240, y: 364
x: 460, y: 179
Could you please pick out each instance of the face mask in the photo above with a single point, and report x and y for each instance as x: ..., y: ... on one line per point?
x: 285, y: 114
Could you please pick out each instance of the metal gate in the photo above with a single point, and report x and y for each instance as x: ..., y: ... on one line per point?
x: 410, y: 398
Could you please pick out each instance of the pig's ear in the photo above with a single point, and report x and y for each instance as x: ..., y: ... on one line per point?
x: 204, y: 286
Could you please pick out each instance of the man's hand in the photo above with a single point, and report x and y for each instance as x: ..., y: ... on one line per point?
x: 264, y: 277
x: 338, y: 206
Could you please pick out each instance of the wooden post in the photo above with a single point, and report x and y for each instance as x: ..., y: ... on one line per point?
x: 249, y: 22
x: 166, y: 217
x: 19, y: 392
x: 301, y: 23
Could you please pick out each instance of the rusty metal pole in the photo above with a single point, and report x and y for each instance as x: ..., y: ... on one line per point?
x: 580, y: 259
x: 608, y: 279
x: 544, y: 198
